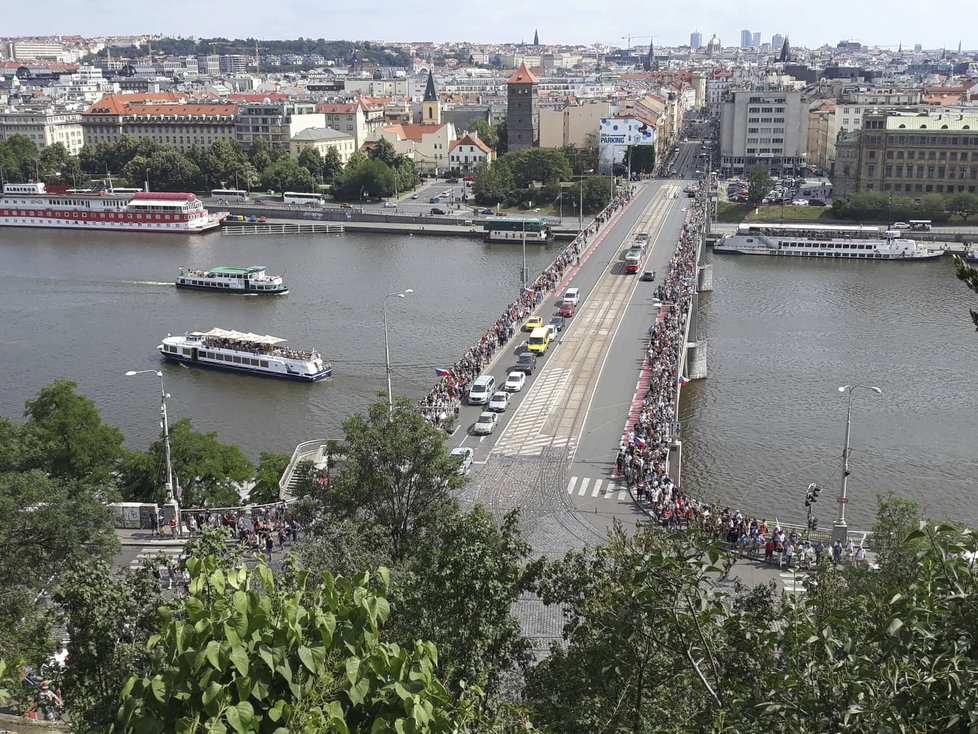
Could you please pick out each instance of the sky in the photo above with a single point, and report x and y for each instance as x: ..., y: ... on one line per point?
x: 806, y: 22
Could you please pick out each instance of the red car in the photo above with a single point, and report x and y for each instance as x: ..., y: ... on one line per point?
x: 566, y: 309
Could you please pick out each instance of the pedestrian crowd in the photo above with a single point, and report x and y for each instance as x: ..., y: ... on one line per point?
x: 443, y: 402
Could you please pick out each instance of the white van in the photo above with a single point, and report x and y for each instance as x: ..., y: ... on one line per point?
x: 482, y: 389
x: 573, y: 295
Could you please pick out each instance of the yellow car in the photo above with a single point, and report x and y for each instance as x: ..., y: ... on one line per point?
x: 532, y: 323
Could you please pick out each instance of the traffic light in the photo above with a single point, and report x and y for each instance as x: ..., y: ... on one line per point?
x: 815, y: 490
x: 814, y: 524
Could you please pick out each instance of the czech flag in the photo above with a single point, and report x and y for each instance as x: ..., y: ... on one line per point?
x: 442, y: 373
x: 683, y: 380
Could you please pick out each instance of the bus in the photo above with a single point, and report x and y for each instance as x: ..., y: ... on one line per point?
x: 303, y: 198
x: 920, y: 225
x: 505, y: 229
x: 229, y: 194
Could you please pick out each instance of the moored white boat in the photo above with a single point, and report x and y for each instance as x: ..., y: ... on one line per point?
x: 252, y: 279
x: 823, y: 241
x: 259, y: 354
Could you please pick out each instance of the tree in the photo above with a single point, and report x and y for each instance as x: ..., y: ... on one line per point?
x: 963, y: 204
x: 493, y: 183
x: 383, y: 150
x: 969, y: 275
x: 259, y: 154
x: 502, y: 136
x: 546, y: 165
x: 207, y: 470
x: 759, y: 185
x: 65, y: 435
x: 371, y: 178
x: 332, y: 164
x: 61, y: 167
x: 397, y: 472
x: 286, y: 174
x: 487, y: 133
x: 312, y: 160
x: 270, y: 469
x: 243, y: 654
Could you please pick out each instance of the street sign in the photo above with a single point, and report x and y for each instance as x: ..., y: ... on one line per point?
x: 843, y: 500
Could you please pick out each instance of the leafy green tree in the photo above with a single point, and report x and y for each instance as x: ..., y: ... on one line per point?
x: 243, y: 654
x: 312, y: 160
x: 60, y: 167
x: 259, y: 154
x: 371, y: 178
x: 643, y: 158
x: 286, y: 174
x: 270, y: 469
x: 963, y: 204
x: 383, y: 150
x: 493, y: 183
x: 969, y: 276
x: 66, y: 437
x: 546, y: 165
x: 502, y: 134
x: 487, y: 133
x: 759, y: 185
x: 397, y: 472
x: 332, y: 164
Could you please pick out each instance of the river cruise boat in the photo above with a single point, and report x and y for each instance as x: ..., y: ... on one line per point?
x: 517, y: 230
x: 819, y: 240
x: 259, y: 354
x: 233, y: 280
x: 32, y: 205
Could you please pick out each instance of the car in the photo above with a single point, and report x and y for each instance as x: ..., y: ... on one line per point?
x: 485, y: 423
x: 346, y: 206
x: 799, y: 202
x: 573, y: 295
x: 648, y: 275
x: 482, y: 389
x: 487, y: 211
x: 641, y: 239
x: 557, y: 321
x: 464, y: 456
x: 532, y: 323
x: 470, y: 177
x: 414, y: 196
x: 526, y: 362
x: 452, y: 180
x: 899, y: 225
x: 499, y: 401
x: 434, y: 200
x: 553, y: 331
x: 566, y: 309
x: 816, y: 202
x: 438, y: 210
x: 515, y: 381
x: 390, y: 205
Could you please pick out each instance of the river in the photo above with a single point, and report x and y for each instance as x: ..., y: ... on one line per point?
x: 784, y: 334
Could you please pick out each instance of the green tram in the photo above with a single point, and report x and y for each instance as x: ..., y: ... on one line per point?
x: 506, y: 229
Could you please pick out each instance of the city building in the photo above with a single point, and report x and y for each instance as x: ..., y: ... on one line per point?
x: 322, y: 139
x: 522, y: 110
x: 468, y: 152
x: 909, y: 153
x: 276, y: 122
x: 755, y: 39
x: 36, y: 50
x: 44, y: 126
x: 427, y: 145
x: 164, y: 118
x: 766, y: 126
x: 572, y: 124
x: 822, y: 133
x: 746, y: 38
x: 777, y: 41
x: 431, y: 105
x: 695, y: 40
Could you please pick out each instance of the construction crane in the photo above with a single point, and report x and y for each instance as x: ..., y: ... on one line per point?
x: 257, y: 60
x: 630, y: 37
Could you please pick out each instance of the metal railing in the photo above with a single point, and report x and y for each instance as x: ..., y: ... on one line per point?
x: 312, y: 451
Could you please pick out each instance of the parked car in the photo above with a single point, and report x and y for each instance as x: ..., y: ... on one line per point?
x: 816, y: 202
x: 390, y: 205
x: 648, y: 275
x: 532, y: 323
x: 345, y: 205
x: 487, y: 211
x: 515, y: 381
x: 499, y: 401
x: 557, y: 321
x: 566, y: 309
x: 464, y: 456
x: 485, y: 423
x: 799, y: 202
x: 438, y: 210
x: 414, y: 196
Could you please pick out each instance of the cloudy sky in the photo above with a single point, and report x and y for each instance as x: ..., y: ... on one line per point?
x: 807, y: 22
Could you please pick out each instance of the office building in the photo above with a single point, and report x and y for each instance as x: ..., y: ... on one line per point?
x: 695, y: 40
x: 763, y: 126
x: 745, y: 38
x: 777, y: 41
x: 755, y: 39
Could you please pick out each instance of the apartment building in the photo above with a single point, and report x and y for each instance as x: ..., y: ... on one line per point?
x: 571, y: 124
x: 910, y: 153
x: 322, y: 139
x: 276, y: 122
x: 44, y: 126
x: 763, y: 126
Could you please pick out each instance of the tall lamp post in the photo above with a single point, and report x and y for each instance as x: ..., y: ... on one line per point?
x: 170, y: 497
x: 840, y: 531
x: 387, y: 351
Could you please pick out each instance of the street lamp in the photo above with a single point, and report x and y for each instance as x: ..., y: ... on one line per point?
x: 387, y: 351
x: 840, y: 530
x: 170, y: 497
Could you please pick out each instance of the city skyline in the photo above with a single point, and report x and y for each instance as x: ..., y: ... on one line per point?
x: 579, y: 23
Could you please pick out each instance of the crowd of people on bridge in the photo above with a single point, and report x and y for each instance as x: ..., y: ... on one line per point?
x: 442, y: 403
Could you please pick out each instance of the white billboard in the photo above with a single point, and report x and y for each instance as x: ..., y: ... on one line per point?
x: 616, y: 134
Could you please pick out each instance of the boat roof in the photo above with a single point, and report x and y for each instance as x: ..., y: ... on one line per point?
x: 236, y: 271
x: 243, y: 336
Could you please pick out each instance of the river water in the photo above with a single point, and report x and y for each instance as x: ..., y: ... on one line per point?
x: 783, y: 335
x: 90, y: 306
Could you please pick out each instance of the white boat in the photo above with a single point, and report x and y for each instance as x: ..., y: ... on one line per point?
x: 259, y: 354
x: 32, y: 205
x: 855, y: 242
x: 233, y: 280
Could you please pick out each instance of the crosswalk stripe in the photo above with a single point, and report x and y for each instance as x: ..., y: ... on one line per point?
x: 623, y: 495
x: 584, y: 483
x: 597, y: 487
x: 571, y: 484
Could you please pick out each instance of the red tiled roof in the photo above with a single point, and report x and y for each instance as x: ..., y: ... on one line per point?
x: 270, y: 96
x: 470, y: 140
x: 118, y: 104
x: 336, y: 108
x: 523, y: 76
x: 412, y: 131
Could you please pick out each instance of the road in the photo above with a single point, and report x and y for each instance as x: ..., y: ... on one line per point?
x: 554, y: 449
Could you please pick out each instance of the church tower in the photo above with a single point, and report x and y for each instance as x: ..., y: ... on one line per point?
x: 536, y: 38
x: 785, y: 55
x: 430, y: 106
x: 522, y: 110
